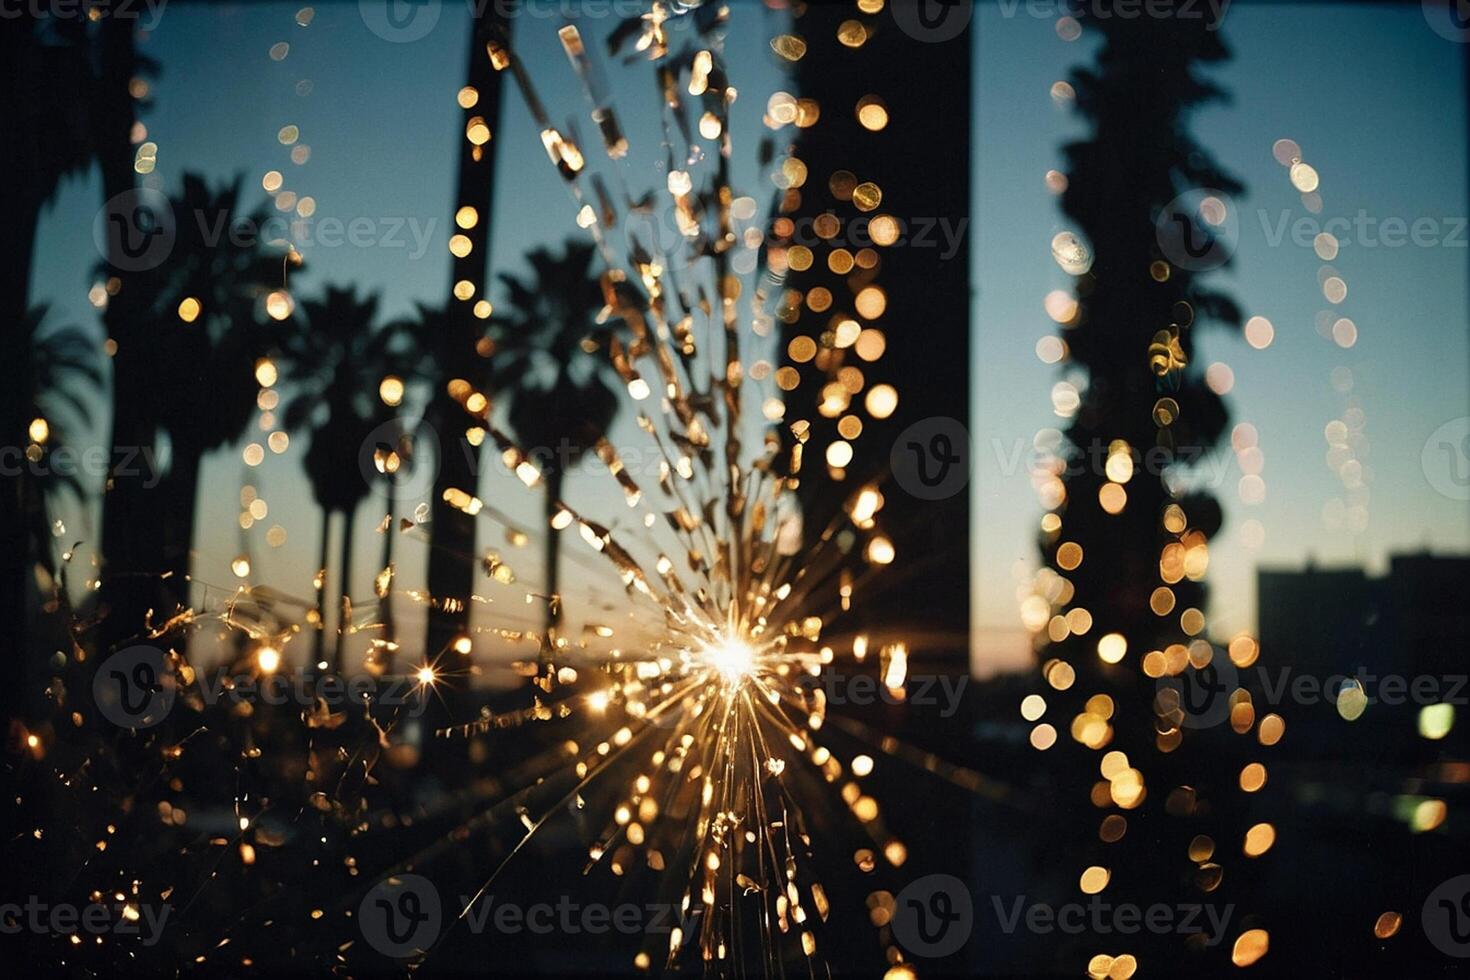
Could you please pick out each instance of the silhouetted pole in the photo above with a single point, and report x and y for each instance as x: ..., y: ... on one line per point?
x: 452, y: 556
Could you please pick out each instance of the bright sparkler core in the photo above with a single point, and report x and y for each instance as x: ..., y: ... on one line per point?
x: 732, y: 658
x: 425, y: 675
x: 268, y: 659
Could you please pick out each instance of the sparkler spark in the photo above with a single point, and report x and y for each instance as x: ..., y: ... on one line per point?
x: 704, y: 709
x: 268, y: 659
x: 705, y: 758
x: 732, y: 658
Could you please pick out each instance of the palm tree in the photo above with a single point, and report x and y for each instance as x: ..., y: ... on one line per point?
x: 336, y: 359
x: 60, y: 362
x: 1140, y: 308
x: 207, y: 337
x: 65, y: 88
x: 559, y: 396
x: 1139, y: 157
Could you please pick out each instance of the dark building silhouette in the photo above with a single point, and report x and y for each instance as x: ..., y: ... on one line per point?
x: 1401, y: 635
x: 1428, y: 614
x: 1364, y: 787
x: 1414, y: 620
x: 1318, y: 618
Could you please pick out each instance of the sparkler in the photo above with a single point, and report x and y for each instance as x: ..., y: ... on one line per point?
x: 713, y: 680
x: 708, y: 723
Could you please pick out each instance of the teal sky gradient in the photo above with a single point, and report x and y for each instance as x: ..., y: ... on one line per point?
x: 1373, y: 96
x: 1375, y: 99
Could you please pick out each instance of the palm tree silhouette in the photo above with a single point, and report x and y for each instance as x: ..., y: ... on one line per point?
x: 1140, y: 157
x: 1140, y: 306
x: 69, y: 104
x: 336, y: 359
x: 189, y: 333
x: 208, y: 335
x: 558, y: 394
x: 59, y: 363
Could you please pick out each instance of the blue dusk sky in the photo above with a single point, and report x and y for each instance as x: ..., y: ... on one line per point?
x: 1372, y: 95
x: 1375, y: 100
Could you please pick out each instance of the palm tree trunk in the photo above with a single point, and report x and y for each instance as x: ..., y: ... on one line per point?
x: 319, y: 641
x: 554, y: 478
x: 17, y: 241
x: 452, y: 545
x: 344, y: 615
x: 130, y: 511
x: 178, y: 497
x: 38, y: 517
